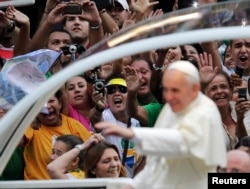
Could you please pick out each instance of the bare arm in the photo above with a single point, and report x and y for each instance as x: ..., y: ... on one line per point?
x: 40, y: 37
x: 91, y: 14
x: 108, y: 23
x: 95, y: 114
x: 133, y: 84
x: 23, y: 39
x: 57, y: 169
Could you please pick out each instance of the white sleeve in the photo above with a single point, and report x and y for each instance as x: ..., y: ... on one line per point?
x: 159, y: 141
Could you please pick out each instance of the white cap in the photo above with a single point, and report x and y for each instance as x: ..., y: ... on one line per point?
x: 185, y: 67
x: 123, y: 3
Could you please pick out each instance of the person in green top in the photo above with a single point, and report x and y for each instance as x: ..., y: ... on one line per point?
x: 146, y: 114
x: 15, y: 167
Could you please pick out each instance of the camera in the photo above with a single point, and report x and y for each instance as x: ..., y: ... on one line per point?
x: 242, y: 93
x: 239, y: 71
x: 72, y: 49
x: 73, y: 8
x: 99, y: 83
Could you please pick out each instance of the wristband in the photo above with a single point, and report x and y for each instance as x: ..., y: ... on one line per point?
x: 96, y: 27
x: 80, y: 146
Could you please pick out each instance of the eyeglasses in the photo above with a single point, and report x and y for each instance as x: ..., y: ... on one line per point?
x: 115, y: 9
x: 112, y: 89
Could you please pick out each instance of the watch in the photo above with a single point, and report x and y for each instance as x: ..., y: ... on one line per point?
x: 80, y: 146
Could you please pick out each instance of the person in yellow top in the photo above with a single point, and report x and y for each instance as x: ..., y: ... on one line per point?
x: 39, y: 142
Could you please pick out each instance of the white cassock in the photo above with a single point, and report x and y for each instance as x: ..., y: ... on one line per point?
x: 182, y: 148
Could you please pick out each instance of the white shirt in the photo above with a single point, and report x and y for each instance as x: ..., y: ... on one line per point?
x: 182, y: 147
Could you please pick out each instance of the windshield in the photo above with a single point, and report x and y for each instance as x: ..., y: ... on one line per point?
x: 212, y: 22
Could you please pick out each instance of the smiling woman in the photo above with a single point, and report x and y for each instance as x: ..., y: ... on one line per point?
x: 182, y: 27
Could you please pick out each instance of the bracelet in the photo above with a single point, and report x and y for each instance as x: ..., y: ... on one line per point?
x: 80, y: 146
x: 10, y: 28
x: 99, y: 109
x: 96, y: 27
x: 156, y: 68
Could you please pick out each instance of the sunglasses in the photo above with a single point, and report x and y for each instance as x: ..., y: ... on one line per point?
x: 112, y: 89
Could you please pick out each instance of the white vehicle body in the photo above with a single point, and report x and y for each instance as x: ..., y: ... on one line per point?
x: 206, y: 23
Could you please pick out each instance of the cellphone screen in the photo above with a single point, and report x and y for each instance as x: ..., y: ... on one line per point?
x: 239, y: 70
x: 242, y: 93
x: 73, y: 8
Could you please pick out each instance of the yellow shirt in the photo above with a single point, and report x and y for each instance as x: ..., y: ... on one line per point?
x: 39, y: 145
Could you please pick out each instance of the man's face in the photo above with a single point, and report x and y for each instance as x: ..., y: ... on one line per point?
x: 118, y: 14
x: 177, y: 91
x: 78, y: 29
x: 240, y: 49
x: 56, y: 41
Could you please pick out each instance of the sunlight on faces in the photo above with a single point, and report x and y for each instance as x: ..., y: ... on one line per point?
x: 77, y: 91
x: 219, y: 91
x: 144, y: 73
x: 178, y: 90
x: 109, y: 164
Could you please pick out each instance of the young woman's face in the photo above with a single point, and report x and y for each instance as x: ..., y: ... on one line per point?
x: 76, y: 90
x: 109, y: 164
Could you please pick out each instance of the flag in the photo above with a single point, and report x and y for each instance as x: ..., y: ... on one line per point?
x: 23, y: 74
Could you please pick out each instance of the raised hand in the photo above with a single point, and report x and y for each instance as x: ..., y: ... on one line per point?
x: 4, y: 21
x: 50, y: 4
x: 132, y: 79
x: 207, y: 72
x: 16, y: 15
x: 142, y: 6
x: 94, y: 139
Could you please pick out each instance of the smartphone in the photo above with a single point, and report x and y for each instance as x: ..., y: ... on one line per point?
x: 239, y: 71
x: 73, y: 8
x: 104, y: 4
x: 242, y: 93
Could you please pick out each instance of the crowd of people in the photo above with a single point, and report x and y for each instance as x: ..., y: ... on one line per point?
x: 174, y: 113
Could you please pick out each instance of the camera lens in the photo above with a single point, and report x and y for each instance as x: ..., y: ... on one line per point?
x: 99, y: 85
x: 72, y: 49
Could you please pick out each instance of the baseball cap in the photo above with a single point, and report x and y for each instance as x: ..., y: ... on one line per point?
x: 123, y: 3
x: 117, y: 81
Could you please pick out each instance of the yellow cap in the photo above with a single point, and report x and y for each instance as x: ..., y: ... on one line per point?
x: 117, y: 81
